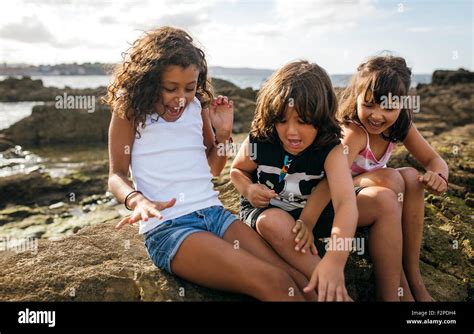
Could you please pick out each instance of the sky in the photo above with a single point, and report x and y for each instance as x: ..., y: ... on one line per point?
x: 338, y: 34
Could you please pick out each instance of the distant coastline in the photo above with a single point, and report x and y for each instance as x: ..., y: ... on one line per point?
x: 93, y: 75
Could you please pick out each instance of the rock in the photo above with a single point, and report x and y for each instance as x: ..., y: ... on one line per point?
x: 447, y: 254
x: 91, y: 261
x: 49, y: 125
x: 445, y: 107
x: 26, y: 89
x: 5, y: 144
x: 244, y: 103
x: 56, y: 205
x: 101, y: 264
x: 220, y: 85
x: 25, y: 188
x: 96, y: 264
x: 452, y: 77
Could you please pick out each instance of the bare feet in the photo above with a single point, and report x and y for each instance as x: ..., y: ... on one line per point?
x: 418, y: 289
x: 420, y: 293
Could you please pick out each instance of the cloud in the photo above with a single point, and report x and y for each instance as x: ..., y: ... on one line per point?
x: 324, y: 15
x: 108, y: 20
x: 420, y: 29
x: 186, y: 15
x: 29, y: 30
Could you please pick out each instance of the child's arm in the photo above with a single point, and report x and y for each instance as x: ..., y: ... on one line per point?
x: 317, y: 201
x: 303, y: 229
x: 354, y: 141
x: 220, y: 115
x: 241, y: 170
x: 328, y: 276
x: 121, y: 136
x: 430, y: 160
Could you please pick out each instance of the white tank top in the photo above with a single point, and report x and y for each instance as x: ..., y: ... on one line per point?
x: 169, y: 161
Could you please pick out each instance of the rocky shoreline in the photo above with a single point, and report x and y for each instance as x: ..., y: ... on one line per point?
x: 81, y: 257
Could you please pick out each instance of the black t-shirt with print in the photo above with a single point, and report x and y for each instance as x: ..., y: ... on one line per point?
x: 305, y: 171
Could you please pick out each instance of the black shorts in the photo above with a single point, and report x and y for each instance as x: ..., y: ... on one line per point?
x: 322, y: 229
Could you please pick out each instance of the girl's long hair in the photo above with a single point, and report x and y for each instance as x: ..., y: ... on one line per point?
x: 376, y: 79
x: 136, y: 84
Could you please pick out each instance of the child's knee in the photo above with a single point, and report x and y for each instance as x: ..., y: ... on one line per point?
x: 394, y: 180
x: 275, y: 225
x: 410, y: 177
x: 387, y: 202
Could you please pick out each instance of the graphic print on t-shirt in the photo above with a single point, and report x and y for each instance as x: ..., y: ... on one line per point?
x: 293, y: 191
x: 302, y: 172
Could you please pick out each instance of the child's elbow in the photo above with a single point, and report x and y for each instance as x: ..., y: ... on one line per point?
x: 111, y: 180
x: 233, y: 174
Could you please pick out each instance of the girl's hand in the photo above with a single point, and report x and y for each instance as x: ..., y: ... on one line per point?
x: 145, y: 209
x: 221, y: 114
x: 260, y: 195
x: 433, y: 182
x: 328, y: 280
x: 304, y: 238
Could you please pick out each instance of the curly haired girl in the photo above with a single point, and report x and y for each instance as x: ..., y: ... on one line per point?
x: 163, y: 116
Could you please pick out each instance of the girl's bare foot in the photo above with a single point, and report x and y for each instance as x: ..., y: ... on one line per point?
x: 418, y: 289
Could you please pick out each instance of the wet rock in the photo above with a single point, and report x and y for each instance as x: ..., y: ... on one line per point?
x: 39, y: 188
x: 49, y: 125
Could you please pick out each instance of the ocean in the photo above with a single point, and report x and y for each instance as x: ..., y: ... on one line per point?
x: 11, y: 112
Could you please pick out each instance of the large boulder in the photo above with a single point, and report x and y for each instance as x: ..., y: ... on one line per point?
x: 101, y: 264
x: 96, y: 264
x: 27, y: 89
x: 459, y: 76
x: 54, y: 124
x: 50, y: 125
x: 91, y: 261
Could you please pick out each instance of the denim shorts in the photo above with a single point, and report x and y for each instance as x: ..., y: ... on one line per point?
x: 163, y: 241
